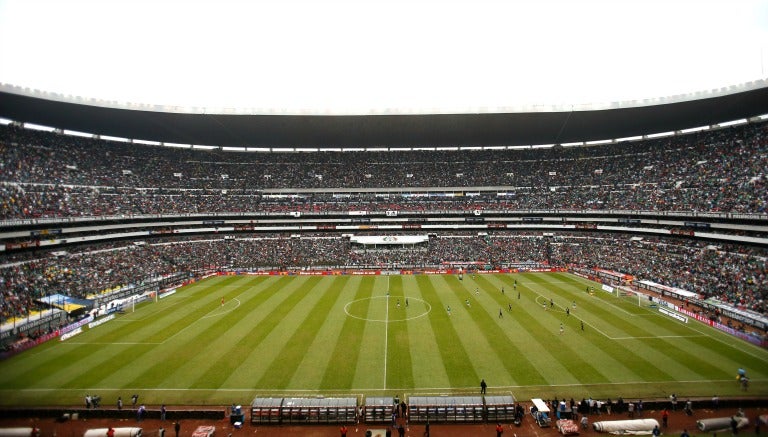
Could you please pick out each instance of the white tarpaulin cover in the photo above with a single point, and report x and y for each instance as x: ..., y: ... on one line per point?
x: 119, y: 432
x: 720, y: 423
x: 19, y: 432
x: 634, y: 426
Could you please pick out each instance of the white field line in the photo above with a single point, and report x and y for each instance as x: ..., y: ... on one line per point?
x: 111, y: 343
x: 570, y: 283
x: 132, y: 318
x: 212, y: 313
x: 386, y: 331
x: 621, y: 309
x: 650, y: 313
x: 420, y: 392
x: 578, y: 318
x: 656, y: 336
x: 559, y: 308
x: 534, y: 286
x: 704, y: 333
x: 228, y: 310
x: 562, y: 282
x: 713, y: 334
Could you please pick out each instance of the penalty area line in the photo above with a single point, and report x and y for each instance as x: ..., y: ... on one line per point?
x: 111, y: 343
x: 356, y: 391
x: 212, y: 313
x: 656, y: 336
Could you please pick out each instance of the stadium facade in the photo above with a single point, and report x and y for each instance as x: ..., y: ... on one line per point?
x: 701, y: 194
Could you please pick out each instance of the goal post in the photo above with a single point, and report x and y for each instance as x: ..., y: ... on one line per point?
x: 642, y: 299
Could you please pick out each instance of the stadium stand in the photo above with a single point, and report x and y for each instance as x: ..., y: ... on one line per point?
x: 61, y: 181
x: 51, y: 175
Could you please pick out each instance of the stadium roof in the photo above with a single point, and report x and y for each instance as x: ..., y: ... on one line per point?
x: 438, y: 130
x: 381, y: 73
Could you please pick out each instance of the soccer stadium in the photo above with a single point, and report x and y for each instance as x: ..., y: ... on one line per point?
x: 523, y: 269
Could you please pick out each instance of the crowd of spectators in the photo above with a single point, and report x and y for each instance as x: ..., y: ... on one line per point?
x: 46, y: 174
x: 734, y: 274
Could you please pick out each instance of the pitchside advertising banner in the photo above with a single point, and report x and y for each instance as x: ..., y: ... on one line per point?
x: 366, y: 272
x: 613, y: 276
x: 752, y: 338
x: 80, y: 323
x: 29, y: 323
x: 673, y: 314
x: 101, y: 321
x: 26, y: 343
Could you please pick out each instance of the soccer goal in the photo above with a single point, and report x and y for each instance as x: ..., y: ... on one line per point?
x: 636, y: 297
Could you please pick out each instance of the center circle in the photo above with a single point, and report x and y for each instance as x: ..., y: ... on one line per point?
x: 410, y: 308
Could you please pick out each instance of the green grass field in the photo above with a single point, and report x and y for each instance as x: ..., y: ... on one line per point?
x: 345, y: 335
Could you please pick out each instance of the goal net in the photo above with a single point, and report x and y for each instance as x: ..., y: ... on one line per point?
x: 635, y: 297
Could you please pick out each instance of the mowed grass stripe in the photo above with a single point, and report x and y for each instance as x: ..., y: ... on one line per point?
x: 612, y: 311
x: 603, y: 313
x: 538, y: 339
x: 340, y: 370
x: 311, y: 369
x: 206, y: 301
x: 31, y: 368
x: 231, y: 347
x: 518, y: 365
x: 165, y: 311
x: 717, y: 347
x: 369, y: 369
x: 676, y: 359
x: 631, y: 360
x: 306, y: 319
x: 530, y: 332
x: 725, y: 357
x: 53, y: 364
x: 184, y: 356
x: 563, y: 348
x: 703, y: 341
x: 399, y: 362
x: 108, y: 362
x: 278, y: 312
x: 640, y: 365
x: 426, y: 366
x: 186, y: 347
x: 487, y: 340
x: 671, y: 353
x: 600, y: 315
x: 730, y: 357
x: 616, y: 360
x: 66, y: 362
x: 457, y: 362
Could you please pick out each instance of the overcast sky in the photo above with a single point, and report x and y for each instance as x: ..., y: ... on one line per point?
x: 388, y: 56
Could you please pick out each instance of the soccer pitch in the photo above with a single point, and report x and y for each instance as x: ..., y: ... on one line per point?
x: 228, y: 339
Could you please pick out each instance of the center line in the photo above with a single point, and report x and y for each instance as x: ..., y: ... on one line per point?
x: 386, y: 332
